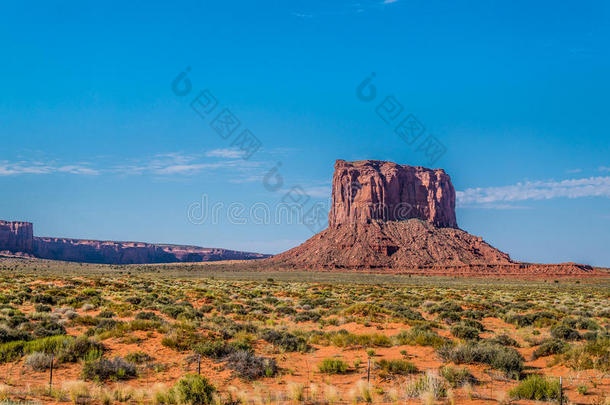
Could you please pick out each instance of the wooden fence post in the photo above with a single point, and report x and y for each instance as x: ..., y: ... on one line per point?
x: 51, y: 376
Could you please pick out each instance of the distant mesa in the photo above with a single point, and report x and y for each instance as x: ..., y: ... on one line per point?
x: 398, y: 218
x: 18, y: 238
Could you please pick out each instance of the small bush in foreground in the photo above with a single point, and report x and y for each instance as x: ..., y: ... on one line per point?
x: 332, y: 366
x: 537, y: 388
x: 194, y: 389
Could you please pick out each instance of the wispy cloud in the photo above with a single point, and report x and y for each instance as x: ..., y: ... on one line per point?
x: 25, y: 167
x: 227, y: 153
x: 160, y: 165
x: 604, y: 168
x: 535, y: 190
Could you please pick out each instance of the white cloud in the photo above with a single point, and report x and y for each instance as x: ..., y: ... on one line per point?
x: 604, y: 168
x: 536, y: 190
x: 389, y: 1
x: 167, y: 164
x: 228, y: 153
x: 25, y: 167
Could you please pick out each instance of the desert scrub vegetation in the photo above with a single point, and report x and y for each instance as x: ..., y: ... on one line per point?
x: 498, y: 357
x: 248, y: 332
x: 593, y: 354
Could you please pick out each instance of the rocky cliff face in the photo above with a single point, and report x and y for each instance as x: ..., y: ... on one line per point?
x: 372, y: 190
x: 18, y: 237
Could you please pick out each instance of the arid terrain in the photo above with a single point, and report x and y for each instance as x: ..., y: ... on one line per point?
x: 130, y: 334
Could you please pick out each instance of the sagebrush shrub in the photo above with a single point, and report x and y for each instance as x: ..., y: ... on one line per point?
x: 249, y: 366
x: 194, y: 389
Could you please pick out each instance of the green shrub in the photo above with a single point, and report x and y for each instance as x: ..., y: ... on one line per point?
x: 11, y: 334
x: 306, y: 316
x: 537, y: 388
x: 540, y: 319
x: 400, y: 367
x: 180, y: 340
x: 420, y: 337
x: 564, y: 332
x: 549, y: 347
x: 285, y: 341
x: 215, y: 349
x: 48, y: 328
x: 148, y: 316
x: 194, y: 389
x: 14, y: 350
x: 464, y: 332
x: 138, y: 357
x: 333, y: 366
x: 80, y: 348
x: 503, y: 340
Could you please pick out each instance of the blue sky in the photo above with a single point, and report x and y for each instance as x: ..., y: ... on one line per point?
x: 96, y: 144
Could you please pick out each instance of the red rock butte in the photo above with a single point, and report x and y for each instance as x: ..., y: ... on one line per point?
x: 401, y: 218
x: 374, y: 190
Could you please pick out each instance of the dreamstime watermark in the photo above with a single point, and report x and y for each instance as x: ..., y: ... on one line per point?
x: 289, y: 212
x: 408, y: 128
x: 226, y: 125
x: 258, y: 213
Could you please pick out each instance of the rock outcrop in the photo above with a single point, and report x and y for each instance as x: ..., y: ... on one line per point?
x: 401, y: 219
x: 17, y: 238
x: 370, y: 190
